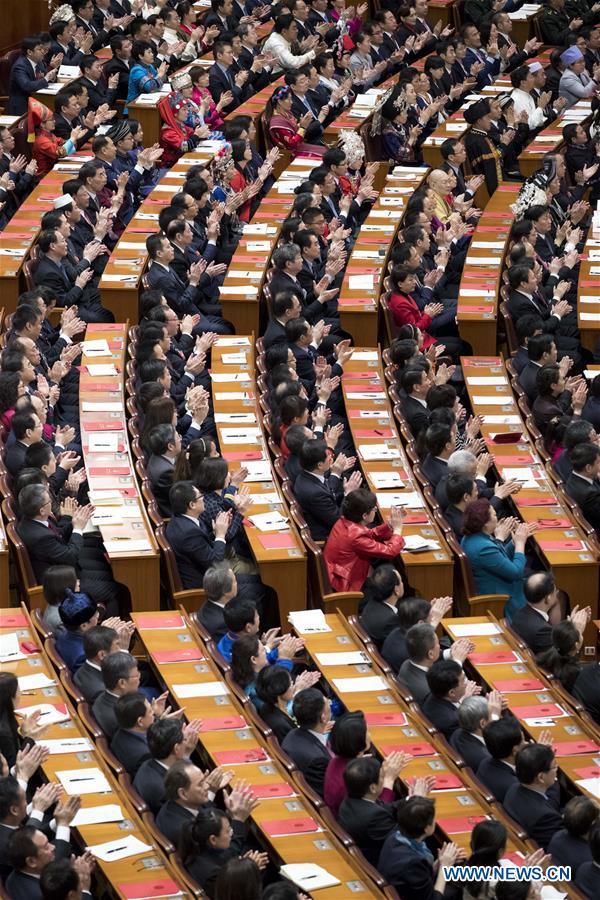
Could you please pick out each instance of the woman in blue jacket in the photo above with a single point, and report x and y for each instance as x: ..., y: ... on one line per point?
x: 144, y: 77
x: 498, y: 564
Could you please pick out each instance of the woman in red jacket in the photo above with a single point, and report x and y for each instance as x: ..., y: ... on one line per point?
x: 406, y: 311
x: 352, y: 545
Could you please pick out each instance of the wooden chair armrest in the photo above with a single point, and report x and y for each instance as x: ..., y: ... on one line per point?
x: 480, y: 604
x: 343, y: 595
x: 191, y: 599
x: 35, y: 596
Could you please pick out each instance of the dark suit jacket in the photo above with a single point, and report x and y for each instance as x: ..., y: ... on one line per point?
x: 496, y: 776
x: 533, y: 628
x: 416, y: 414
x: 312, y: 311
x: 587, y: 689
x: 171, y: 818
x: 180, y: 297
x: 443, y: 714
x: 587, y: 497
x: 14, y: 457
x: 469, y: 747
x: 454, y: 517
x: 368, y: 823
x: 25, y: 887
x: 89, y: 681
x: 99, y: 93
x: 520, y: 305
x: 160, y: 473
x: 46, y: 548
x: 588, y: 879
x: 103, y: 711
x: 567, y: 850
x: 540, y: 816
x: 274, y: 333
x: 394, y: 648
x: 195, y: 549
x: 279, y: 723
x: 410, y: 873
x: 320, y: 502
x: 117, y: 65
x: 378, y: 619
x: 47, y: 273
x: 22, y: 85
x: 415, y: 680
x: 528, y: 380
x: 219, y: 83
x: 309, y: 754
x: 435, y: 469
x: 211, y: 616
x: 149, y: 782
x: 205, y: 867
x: 314, y: 130
x: 130, y: 748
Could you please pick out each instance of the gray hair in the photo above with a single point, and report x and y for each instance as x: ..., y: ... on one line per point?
x: 217, y: 581
x: 284, y: 255
x: 461, y: 462
x: 471, y: 711
x: 31, y: 499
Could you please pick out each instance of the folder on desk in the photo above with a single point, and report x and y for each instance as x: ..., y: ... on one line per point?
x: 150, y: 890
x: 459, y: 824
x: 571, y: 748
x: 491, y: 657
x: 538, y: 501
x: 160, y: 621
x: 540, y: 710
x: 299, y: 825
x: 182, y: 654
x: 231, y: 757
x: 283, y: 541
x: 420, y: 748
x: 564, y: 546
x: 13, y: 620
x: 588, y: 772
x: 223, y: 723
x: 386, y: 719
x: 272, y: 789
x: 517, y: 685
x: 308, y: 876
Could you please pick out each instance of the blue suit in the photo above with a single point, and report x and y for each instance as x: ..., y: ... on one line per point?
x: 23, y: 84
x: 497, y: 569
x: 492, y: 66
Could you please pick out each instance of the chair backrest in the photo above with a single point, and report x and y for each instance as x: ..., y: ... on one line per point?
x: 322, y: 590
x: 156, y: 834
x: 54, y: 656
x: 41, y: 628
x: 25, y: 574
x: 132, y: 795
x: 88, y: 721
x: 70, y: 687
x: 391, y: 332
x: 509, y: 328
x: 184, y: 878
x: 474, y: 603
x: 29, y: 268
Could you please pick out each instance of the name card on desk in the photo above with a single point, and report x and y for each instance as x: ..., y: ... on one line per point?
x: 308, y: 621
x: 95, y: 348
x: 84, y: 781
x: 98, y: 815
x: 112, y: 851
x: 360, y: 685
x: 123, y: 545
x: 205, y: 689
x: 67, y: 745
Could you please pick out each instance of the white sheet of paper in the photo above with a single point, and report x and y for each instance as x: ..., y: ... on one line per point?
x: 360, y: 685
x: 107, y: 406
x: 235, y: 418
x: 502, y: 420
x: 258, y: 470
x: 223, y: 377
x: 590, y: 374
x: 57, y: 746
x: 488, y: 245
x: 365, y: 355
x: 131, y: 279
x: 477, y: 629
x: 476, y: 292
x: 372, y: 413
x: 112, y: 851
x: 349, y: 658
x: 127, y: 546
x: 362, y: 395
x: 308, y: 876
x: 241, y: 435
x: 49, y: 713
x: 95, y: 348
x: 104, y: 441
x: 387, y: 499
x: 493, y: 400
x: 232, y: 395
x: 239, y: 290
x: 365, y: 254
x: 34, y: 682
x: 356, y: 282
x: 588, y: 317
x: 98, y: 371
x: 9, y: 648
x: 308, y: 621
x: 97, y: 815
x: 268, y: 497
x: 487, y: 380
x: 206, y: 689
x: 386, y: 480
x: 232, y: 342
x: 378, y: 451
x: 407, y: 499
x: 415, y: 543
x: 84, y: 781
x: 271, y: 521
x: 590, y: 298
x: 484, y: 260
x: 132, y: 245
x: 259, y: 245
x: 233, y: 359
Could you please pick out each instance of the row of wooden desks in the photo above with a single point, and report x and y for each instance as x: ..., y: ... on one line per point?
x: 228, y: 738
x: 120, y: 512
x: 136, y: 876
x: 560, y: 540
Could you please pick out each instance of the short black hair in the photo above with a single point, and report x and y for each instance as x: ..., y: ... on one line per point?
x: 163, y: 735
x: 238, y: 613
x: 308, y: 707
x: 443, y: 676
x: 502, y: 736
x: 360, y: 774
x: 532, y: 760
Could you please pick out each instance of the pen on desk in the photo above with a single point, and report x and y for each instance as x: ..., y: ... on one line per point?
x: 116, y: 849
x: 74, y: 780
x: 380, y: 433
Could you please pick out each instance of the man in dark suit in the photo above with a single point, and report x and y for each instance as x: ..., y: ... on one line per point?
x: 134, y: 715
x: 223, y: 16
x: 119, y: 63
x: 98, y: 643
x: 503, y: 739
x: 583, y: 486
x: 98, y: 91
x: 196, y: 548
x: 454, y: 154
x: 307, y: 744
x: 379, y: 614
x: 302, y: 104
x: 412, y: 611
x: 541, y: 350
x: 27, y: 430
x: 186, y: 791
x: 288, y: 262
x: 534, y: 802
x: 168, y: 741
x: 46, y: 545
x: 165, y: 444
x: 121, y: 675
x: 30, y: 851
x: 532, y: 621
x: 474, y: 714
x: 440, y: 443
x: 587, y: 879
x: 447, y: 687
x: 364, y: 814
x: 415, y: 384
x: 406, y: 862
x: 319, y: 488
x: 587, y: 689
x: 55, y: 272
x: 13, y: 802
x: 27, y: 76
x: 525, y: 298
x: 222, y: 78
x: 423, y: 649
x: 460, y: 491
x: 220, y: 586
x: 570, y: 846
x: 285, y: 306
x: 84, y: 18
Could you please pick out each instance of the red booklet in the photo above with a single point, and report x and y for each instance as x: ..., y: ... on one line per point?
x: 225, y: 723
x: 468, y: 309
x: 183, y: 654
x: 359, y: 376
x: 518, y: 684
x: 421, y: 748
x: 272, y: 789
x: 364, y: 389
x: 13, y: 620
x: 415, y: 518
x: 524, y: 460
x: 235, y: 455
x: 110, y: 470
x: 538, y: 501
x: 554, y: 523
x: 500, y: 229
x: 103, y: 426
x: 568, y: 748
x: 447, y: 782
x: 356, y: 301
x: 110, y: 386
x: 109, y: 326
x: 539, y: 711
x: 362, y: 270
x: 376, y: 718
x: 228, y: 757
x: 278, y: 827
x: 277, y: 541
x: 139, y: 890
x: 562, y: 545
x: 588, y: 772
x: 482, y: 361
x: 459, y: 824
x: 492, y: 656
x: 159, y: 620
x: 374, y: 433
x: 18, y: 235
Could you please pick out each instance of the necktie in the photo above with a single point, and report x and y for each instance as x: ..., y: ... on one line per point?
x: 53, y: 527
x: 231, y: 79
